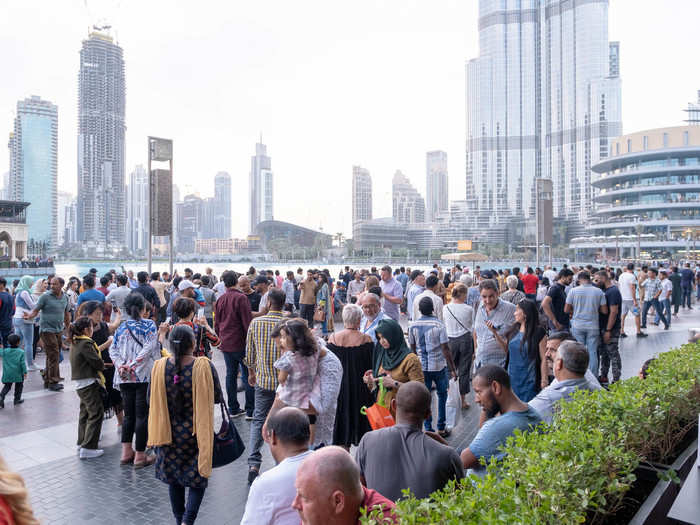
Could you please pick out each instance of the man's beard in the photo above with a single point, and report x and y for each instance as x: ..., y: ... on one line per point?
x: 495, y: 408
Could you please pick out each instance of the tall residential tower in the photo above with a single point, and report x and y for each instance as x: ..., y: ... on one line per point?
x: 101, y: 127
x: 222, y: 205
x: 435, y: 184
x: 261, y: 187
x: 137, y: 210
x: 543, y: 101
x: 361, y: 195
x: 408, y: 207
x: 34, y: 168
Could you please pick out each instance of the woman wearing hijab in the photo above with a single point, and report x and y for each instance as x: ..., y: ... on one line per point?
x: 24, y: 302
x: 394, y: 363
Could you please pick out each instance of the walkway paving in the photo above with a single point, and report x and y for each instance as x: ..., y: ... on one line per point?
x: 37, y: 439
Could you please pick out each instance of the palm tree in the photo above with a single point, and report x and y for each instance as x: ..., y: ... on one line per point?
x: 339, y: 237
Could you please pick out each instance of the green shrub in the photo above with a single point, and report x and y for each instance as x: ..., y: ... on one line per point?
x: 580, y: 467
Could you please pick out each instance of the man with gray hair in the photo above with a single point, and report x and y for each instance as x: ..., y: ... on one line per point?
x: 371, y: 315
x: 570, y: 362
x: 473, y: 293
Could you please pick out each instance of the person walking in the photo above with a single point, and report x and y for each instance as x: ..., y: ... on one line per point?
x: 323, y: 302
x: 24, y: 304
x: 232, y: 316
x: 307, y: 300
x: 86, y: 371
x: 7, y: 311
x: 652, y: 291
x: 183, y: 385
x: 677, y: 293
x: 55, y: 320
x: 14, y: 370
x: 458, y: 321
x: 687, y: 281
x: 609, y: 329
x: 665, y: 297
x: 628, y: 286
x: 134, y: 350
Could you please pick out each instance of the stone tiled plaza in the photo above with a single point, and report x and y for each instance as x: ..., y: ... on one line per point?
x: 37, y: 439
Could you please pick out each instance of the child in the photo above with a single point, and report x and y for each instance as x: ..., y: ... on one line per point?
x: 14, y: 369
x: 299, y: 379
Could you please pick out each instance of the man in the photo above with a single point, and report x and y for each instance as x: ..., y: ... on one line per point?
x: 209, y: 299
x: 583, y: 304
x: 676, y: 290
x: 555, y: 300
x: 356, y: 286
x: 550, y: 274
x: 493, y: 319
x: 431, y: 283
x: 307, y: 299
x: 188, y: 274
x: 392, y: 294
x: 628, y: 291
x: 570, y: 364
x: 516, y: 272
x: 260, y: 355
x: 105, y: 281
x: 554, y: 340
x: 133, y: 283
x: 232, y: 318
x: 403, y: 278
x: 272, y: 494
x: 55, y: 320
x: 687, y: 279
x: 652, y: 292
x: 503, y: 412
x: 299, y: 276
x: 371, y: 315
x: 148, y: 291
x: 609, y: 349
x: 665, y: 297
x: 117, y: 296
x: 160, y: 286
x: 329, y: 490
x: 212, y: 278
x: 415, y: 288
x: 253, y: 296
x: 90, y: 293
x: 261, y: 285
x: 7, y: 312
x: 402, y: 457
x: 530, y: 282
x: 288, y: 287
x: 428, y: 338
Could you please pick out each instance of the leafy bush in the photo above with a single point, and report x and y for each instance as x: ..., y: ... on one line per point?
x: 580, y: 467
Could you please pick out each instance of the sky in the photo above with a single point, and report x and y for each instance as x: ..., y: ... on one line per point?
x: 328, y: 84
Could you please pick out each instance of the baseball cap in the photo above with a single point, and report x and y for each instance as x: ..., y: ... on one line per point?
x: 185, y: 284
x: 260, y: 280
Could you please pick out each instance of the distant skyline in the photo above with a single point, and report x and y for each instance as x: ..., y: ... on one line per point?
x: 329, y: 86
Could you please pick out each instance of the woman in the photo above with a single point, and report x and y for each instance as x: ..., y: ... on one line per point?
x: 323, y: 302
x: 25, y: 303
x: 393, y: 362
x: 354, y: 350
x: 71, y: 292
x: 542, y: 289
x: 133, y: 352
x: 526, y: 347
x: 182, y: 384
x: 102, y: 335
x: 513, y: 295
x: 14, y: 500
x: 458, y: 318
x: 204, y: 335
x: 86, y: 372
x: 38, y: 290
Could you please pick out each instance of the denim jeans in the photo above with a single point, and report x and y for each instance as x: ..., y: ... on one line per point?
x: 441, y: 384
x: 687, y: 292
x: 185, y: 512
x: 26, y: 333
x: 135, y: 414
x: 263, y: 402
x: 590, y: 338
x: 666, y: 308
x: 657, y: 307
x: 233, y: 360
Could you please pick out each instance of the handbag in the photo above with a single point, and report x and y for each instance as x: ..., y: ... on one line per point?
x: 228, y: 445
x: 320, y: 315
x: 378, y: 414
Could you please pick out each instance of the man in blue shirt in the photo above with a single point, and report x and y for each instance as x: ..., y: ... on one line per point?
x: 90, y: 293
x: 492, y: 391
x: 392, y: 294
x: 686, y: 286
x: 402, y: 277
x: 417, y: 287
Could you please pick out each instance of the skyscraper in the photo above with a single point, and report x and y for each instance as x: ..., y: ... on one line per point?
x: 435, y: 184
x: 34, y: 167
x: 361, y: 194
x: 190, y: 222
x: 407, y: 204
x: 222, y: 205
x: 137, y: 210
x: 261, y: 187
x: 543, y: 100
x: 101, y: 128
x: 64, y: 200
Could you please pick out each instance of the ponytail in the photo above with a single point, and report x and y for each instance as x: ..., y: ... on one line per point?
x: 181, y: 341
x: 134, y: 304
x: 79, y: 326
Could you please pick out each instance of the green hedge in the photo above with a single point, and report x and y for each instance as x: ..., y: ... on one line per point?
x: 580, y: 468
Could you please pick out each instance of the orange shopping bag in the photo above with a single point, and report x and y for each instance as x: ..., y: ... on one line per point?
x: 378, y: 414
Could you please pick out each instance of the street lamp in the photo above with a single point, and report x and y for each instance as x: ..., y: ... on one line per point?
x: 638, y: 229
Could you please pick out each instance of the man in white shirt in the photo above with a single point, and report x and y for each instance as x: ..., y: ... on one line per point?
x: 272, y: 493
x: 430, y: 283
x: 550, y: 274
x: 665, y: 297
x: 627, y: 283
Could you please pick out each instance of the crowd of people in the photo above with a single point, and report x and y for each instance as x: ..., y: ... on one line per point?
x: 141, y: 348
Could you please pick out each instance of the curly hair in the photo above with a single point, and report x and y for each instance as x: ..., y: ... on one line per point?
x: 14, y: 492
x: 302, y: 339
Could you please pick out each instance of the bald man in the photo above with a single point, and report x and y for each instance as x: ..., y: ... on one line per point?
x: 329, y: 491
x: 403, y: 457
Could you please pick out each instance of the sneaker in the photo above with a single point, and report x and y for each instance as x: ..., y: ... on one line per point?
x: 32, y: 368
x: 252, y: 474
x: 642, y: 334
x: 2, y: 402
x: 249, y: 417
x: 19, y: 401
x: 623, y: 334
x: 88, y: 453
x: 444, y: 433
x: 236, y: 413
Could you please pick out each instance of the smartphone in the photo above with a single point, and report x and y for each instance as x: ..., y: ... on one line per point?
x: 167, y: 319
x: 200, y: 313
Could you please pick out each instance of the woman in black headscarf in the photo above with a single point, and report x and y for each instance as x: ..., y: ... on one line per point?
x: 394, y: 363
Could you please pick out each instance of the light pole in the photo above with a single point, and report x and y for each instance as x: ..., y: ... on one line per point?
x: 638, y: 228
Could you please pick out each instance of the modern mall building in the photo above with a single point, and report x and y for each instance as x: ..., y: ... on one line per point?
x: 647, y: 198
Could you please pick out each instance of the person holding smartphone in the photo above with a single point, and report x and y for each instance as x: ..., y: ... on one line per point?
x: 494, y: 318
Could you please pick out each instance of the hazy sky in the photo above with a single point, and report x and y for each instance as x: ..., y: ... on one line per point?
x: 328, y: 83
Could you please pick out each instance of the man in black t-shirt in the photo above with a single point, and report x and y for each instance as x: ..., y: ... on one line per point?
x: 252, y: 295
x: 555, y: 300
x: 609, y: 348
